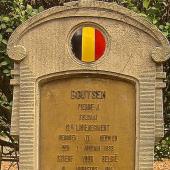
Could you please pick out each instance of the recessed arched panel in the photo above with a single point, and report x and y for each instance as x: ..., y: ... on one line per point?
x: 87, y: 123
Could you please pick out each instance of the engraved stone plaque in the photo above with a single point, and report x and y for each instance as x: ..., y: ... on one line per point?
x: 87, y: 123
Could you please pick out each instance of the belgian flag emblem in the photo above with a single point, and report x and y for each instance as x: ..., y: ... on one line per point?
x: 88, y: 44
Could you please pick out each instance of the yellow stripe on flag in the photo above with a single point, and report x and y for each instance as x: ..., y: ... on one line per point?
x: 88, y: 44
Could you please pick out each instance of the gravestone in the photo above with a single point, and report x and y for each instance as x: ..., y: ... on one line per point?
x: 88, y: 81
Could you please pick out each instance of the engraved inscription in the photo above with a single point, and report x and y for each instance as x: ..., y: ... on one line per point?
x: 87, y: 124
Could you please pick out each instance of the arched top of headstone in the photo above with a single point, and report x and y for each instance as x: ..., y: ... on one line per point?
x: 90, y: 8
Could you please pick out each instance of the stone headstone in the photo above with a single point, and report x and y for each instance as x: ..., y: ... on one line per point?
x: 88, y: 81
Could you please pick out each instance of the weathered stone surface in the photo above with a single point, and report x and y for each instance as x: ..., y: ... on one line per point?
x: 135, y: 52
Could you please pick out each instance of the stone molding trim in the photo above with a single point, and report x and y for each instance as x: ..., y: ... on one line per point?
x: 147, y: 119
x: 27, y: 119
x: 160, y: 55
x: 17, y: 53
x: 160, y: 84
x: 16, y: 99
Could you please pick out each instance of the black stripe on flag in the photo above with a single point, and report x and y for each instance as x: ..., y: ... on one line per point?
x: 76, y: 42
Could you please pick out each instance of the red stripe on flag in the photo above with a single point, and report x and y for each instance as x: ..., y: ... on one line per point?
x: 100, y: 44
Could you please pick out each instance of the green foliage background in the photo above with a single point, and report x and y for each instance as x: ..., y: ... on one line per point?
x: 15, y: 12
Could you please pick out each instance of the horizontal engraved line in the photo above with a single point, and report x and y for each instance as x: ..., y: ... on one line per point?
x: 25, y: 101
x: 27, y: 133
x: 23, y: 83
x: 24, y: 67
x: 150, y: 127
x: 25, y: 72
x: 27, y: 80
x: 146, y: 153
x: 27, y: 77
x: 26, y: 146
x: 147, y: 93
x: 159, y: 127
x: 146, y: 131
x: 147, y: 85
x: 27, y: 149
x: 28, y: 141
x: 30, y: 122
x: 161, y: 75
x: 144, y: 107
x: 27, y: 92
x: 28, y: 109
x: 27, y: 165
x: 28, y: 154
x: 27, y: 98
x: 144, y: 143
x: 148, y: 135
x: 160, y: 124
x: 145, y: 111
x: 147, y: 89
x: 24, y: 124
x: 27, y: 88
x: 143, y: 146
x: 144, y: 118
x: 146, y: 76
x: 146, y: 162
x: 149, y: 140
x: 159, y: 134
x: 158, y: 106
x: 24, y: 128
x: 147, y: 80
x: 158, y: 97
x: 151, y: 124
x: 28, y: 137
x: 25, y: 113
x: 27, y: 116
x: 26, y: 106
x: 147, y: 102
x: 150, y: 98
x: 146, y: 128
x: 159, y: 117
x: 146, y: 97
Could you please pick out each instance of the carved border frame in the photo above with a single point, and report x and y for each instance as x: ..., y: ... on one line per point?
x: 83, y: 73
